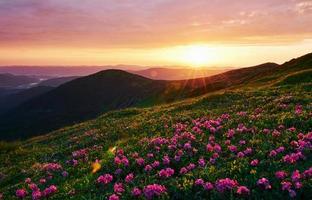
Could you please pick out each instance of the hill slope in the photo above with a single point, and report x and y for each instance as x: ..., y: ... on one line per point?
x: 234, y: 144
x: 87, y: 97
x: 13, y: 99
x: 55, y: 82
x: 177, y: 74
x: 12, y: 81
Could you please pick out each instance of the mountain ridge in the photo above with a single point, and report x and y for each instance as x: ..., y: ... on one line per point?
x: 87, y: 97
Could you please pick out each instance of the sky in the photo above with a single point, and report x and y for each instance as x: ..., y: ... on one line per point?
x: 214, y: 33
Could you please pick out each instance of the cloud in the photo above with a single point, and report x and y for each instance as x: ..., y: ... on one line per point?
x: 137, y: 23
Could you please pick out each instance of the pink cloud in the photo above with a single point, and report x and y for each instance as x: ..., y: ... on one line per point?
x: 131, y: 23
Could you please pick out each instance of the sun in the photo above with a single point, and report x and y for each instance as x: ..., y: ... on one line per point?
x: 197, y: 56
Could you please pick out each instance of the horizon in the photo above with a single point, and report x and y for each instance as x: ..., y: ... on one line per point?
x: 97, y: 33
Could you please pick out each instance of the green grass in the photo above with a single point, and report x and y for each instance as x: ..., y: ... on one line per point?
x: 127, y: 127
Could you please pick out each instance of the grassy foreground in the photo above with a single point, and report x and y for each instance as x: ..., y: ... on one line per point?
x: 248, y: 143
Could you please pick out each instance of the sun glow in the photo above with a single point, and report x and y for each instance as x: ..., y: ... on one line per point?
x: 197, y: 56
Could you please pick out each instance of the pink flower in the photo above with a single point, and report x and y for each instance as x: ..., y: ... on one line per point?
x: 150, y: 155
x: 28, y: 180
x: 266, y: 131
x: 232, y: 148
x: 155, y: 164
x: 280, y: 149
x: 80, y: 153
x: 201, y: 162
x: 293, y: 157
x: 42, y: 181
x: 135, y: 155
x: 49, y: 191
x: 140, y: 161
x: 298, y: 109
x: 148, y: 168
x: 118, y: 188
x: 264, y: 183
x: 242, y: 142
x: 272, y: 153
x: 177, y: 158
x: 52, y: 167
x: 183, y: 170
x: 36, y: 195
x: 225, y: 184
x: 129, y: 178
x: 280, y: 175
x: 120, y: 152
x: 276, y: 133
x: 208, y: 186
x: 191, y: 166
x: 166, y: 160
x: 166, y: 173
x: 209, y: 147
x: 125, y: 161
x: 64, y: 173
x: 230, y: 133
x: 240, y: 154
x: 254, y: 162
x: 75, y: 162
x: 217, y: 148
x: 154, y: 190
x: 286, y: 185
x: 21, y: 193
x: 187, y: 146
x: 227, y: 142
x: 298, y: 185
x: 248, y: 151
x: 296, y: 176
x: 215, y: 155
x: 308, y: 173
x: 117, y: 160
x: 212, y: 160
x: 199, y: 181
x: 136, y: 192
x: 292, y: 193
x: 105, y: 179
x: 113, y: 197
x: 33, y: 187
x: 243, y: 190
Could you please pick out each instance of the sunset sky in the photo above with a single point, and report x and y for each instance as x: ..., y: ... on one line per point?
x: 214, y: 33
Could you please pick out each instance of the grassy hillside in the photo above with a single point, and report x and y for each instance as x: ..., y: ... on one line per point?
x: 88, y: 97
x: 230, y: 144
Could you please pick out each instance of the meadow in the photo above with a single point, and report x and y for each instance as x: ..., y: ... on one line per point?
x: 247, y: 143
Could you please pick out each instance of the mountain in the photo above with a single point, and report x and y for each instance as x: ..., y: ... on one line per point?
x: 250, y: 141
x: 13, y: 98
x: 80, y: 99
x: 177, y: 74
x: 8, y: 91
x: 87, y: 97
x: 160, y: 73
x: 51, y: 71
x: 13, y: 81
x: 55, y: 82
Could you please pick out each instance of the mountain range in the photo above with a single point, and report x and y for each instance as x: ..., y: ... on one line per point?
x: 87, y: 97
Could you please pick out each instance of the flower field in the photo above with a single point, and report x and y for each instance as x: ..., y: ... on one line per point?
x: 240, y: 144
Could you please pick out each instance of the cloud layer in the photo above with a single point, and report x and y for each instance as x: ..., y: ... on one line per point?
x: 155, y: 23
